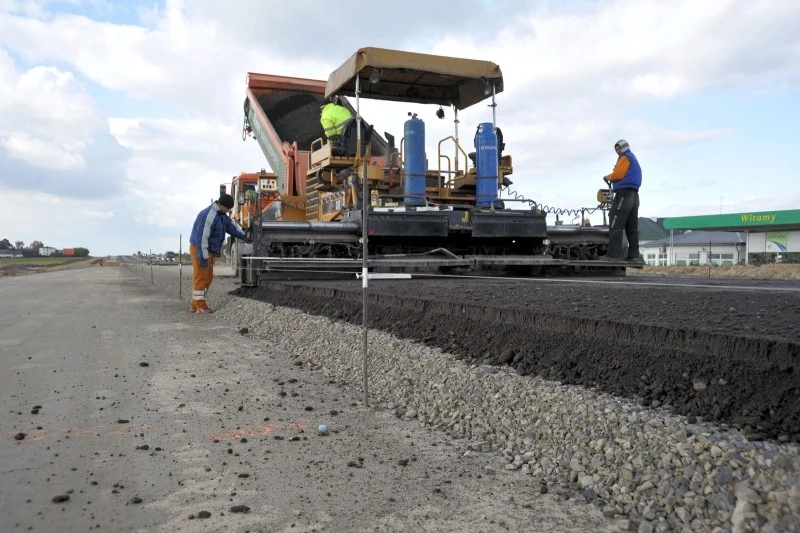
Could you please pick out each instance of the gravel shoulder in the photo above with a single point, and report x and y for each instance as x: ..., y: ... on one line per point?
x: 725, y: 354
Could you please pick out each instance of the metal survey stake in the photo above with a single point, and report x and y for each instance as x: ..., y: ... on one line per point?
x: 364, y: 245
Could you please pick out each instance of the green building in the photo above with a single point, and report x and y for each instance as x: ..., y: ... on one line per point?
x: 730, y: 238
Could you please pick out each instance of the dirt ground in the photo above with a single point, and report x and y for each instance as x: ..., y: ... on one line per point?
x: 787, y: 272
x: 123, y: 411
x: 729, y: 355
x: 10, y: 269
x: 691, y: 343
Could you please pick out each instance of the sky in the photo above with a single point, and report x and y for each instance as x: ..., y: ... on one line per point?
x: 119, y: 120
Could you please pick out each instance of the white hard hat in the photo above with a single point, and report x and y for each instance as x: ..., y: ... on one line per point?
x: 622, y: 143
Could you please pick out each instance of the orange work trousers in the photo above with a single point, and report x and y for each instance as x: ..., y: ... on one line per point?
x: 201, y: 280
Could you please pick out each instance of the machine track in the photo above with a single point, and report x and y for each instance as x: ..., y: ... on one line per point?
x: 726, y: 355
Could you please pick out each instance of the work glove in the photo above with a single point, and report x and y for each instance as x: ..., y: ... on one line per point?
x: 203, y: 262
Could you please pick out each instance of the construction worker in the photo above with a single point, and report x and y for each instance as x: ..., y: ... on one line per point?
x: 205, y: 243
x: 625, y: 179
x: 334, y: 117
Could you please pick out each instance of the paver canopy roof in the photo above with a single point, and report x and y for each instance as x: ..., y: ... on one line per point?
x: 415, y: 77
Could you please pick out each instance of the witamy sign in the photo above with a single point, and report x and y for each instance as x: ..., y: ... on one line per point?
x: 786, y: 219
x: 759, y: 218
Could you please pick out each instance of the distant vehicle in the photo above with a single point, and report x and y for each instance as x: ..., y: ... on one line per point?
x: 170, y: 256
x: 246, y: 189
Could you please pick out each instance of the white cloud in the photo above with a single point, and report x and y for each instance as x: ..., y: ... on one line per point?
x: 97, y: 214
x: 575, y: 77
x: 646, y: 49
x: 173, y: 59
x: 659, y: 85
x: 46, y: 118
x: 53, y: 219
x: 179, y: 164
x: 120, y: 227
x: 39, y: 152
x: 560, y: 66
x: 175, y: 138
x: 788, y: 199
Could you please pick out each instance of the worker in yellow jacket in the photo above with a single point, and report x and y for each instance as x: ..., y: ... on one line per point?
x: 334, y: 117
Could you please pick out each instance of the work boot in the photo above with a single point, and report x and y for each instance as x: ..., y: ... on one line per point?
x: 635, y: 260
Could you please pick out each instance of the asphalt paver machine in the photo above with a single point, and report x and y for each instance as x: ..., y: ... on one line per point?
x: 330, y: 198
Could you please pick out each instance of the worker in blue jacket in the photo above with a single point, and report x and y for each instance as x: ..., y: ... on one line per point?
x: 205, y: 243
x: 625, y: 179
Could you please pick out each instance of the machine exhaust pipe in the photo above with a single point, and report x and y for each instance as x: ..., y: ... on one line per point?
x: 317, y: 227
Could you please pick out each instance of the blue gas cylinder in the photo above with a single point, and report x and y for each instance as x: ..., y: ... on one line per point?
x: 414, y: 161
x: 486, y: 163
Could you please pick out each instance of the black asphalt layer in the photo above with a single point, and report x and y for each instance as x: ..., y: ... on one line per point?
x: 724, y: 351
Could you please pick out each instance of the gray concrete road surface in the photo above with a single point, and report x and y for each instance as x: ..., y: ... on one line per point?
x: 123, y: 411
